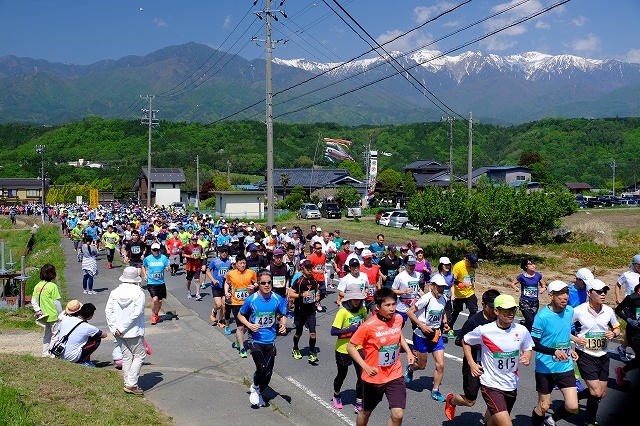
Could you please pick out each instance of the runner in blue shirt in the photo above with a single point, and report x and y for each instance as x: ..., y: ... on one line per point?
x: 217, y: 272
x: 153, y: 267
x: 377, y: 249
x: 259, y: 314
x: 528, y: 284
x: 551, y: 333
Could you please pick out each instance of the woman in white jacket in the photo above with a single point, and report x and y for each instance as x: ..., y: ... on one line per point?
x: 125, y: 318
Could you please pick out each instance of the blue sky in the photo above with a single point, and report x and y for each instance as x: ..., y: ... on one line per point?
x: 83, y: 32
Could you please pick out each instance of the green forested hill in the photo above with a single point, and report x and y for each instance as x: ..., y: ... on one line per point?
x: 573, y: 149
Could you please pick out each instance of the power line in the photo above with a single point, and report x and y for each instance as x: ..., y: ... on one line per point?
x: 477, y: 39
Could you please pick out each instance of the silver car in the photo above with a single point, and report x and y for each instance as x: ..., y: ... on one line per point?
x: 309, y: 211
x: 398, y: 218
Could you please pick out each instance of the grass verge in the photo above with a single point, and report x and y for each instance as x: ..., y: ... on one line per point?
x: 42, y: 391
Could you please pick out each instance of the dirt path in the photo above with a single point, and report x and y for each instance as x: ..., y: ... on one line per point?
x: 21, y: 342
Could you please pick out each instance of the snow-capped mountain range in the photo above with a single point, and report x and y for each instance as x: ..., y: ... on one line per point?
x: 203, y: 84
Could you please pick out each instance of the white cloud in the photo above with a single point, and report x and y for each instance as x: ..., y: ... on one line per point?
x: 161, y: 23
x: 588, y: 45
x: 505, y: 38
x: 423, y: 13
x: 579, y: 21
x: 542, y: 25
x: 227, y: 21
x: 406, y: 43
x: 633, y: 56
x: 451, y: 24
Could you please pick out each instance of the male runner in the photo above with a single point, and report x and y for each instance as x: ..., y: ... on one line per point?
x: 153, y: 267
x: 258, y: 313
x: 381, y: 339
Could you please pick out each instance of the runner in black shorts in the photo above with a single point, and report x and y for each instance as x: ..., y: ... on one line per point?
x: 305, y: 295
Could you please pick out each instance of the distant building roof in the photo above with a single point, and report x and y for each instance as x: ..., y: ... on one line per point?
x: 488, y: 169
x: 23, y: 183
x: 313, y: 178
x: 424, y: 165
x: 578, y: 185
x: 165, y: 175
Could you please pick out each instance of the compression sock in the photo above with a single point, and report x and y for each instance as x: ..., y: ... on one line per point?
x: 561, y: 413
x: 536, y: 420
x: 312, y: 344
x: 296, y: 340
x: 592, y: 408
x: 583, y: 394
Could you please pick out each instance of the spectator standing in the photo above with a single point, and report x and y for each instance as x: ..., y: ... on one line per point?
x: 46, y: 303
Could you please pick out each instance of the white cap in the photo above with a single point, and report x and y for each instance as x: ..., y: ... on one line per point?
x: 584, y: 274
x: 438, y: 280
x: 155, y: 246
x: 366, y: 253
x: 318, y: 229
x: 274, y: 232
x: 444, y: 260
x: 596, y: 284
x: 359, y: 245
x: 556, y: 285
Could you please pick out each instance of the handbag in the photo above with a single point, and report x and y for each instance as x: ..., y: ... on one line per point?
x: 57, y: 349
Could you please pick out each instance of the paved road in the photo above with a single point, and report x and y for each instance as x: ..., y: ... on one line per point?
x: 316, y: 381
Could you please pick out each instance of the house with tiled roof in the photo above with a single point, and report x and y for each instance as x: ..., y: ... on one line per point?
x: 22, y: 190
x: 165, y: 186
x: 311, y: 180
x: 510, y: 175
x: 578, y: 187
x: 429, y: 173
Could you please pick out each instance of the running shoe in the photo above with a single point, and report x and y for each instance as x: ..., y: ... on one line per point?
x: 408, y: 374
x: 85, y: 291
x: 198, y: 297
x: 254, y: 395
x: 620, y: 373
x: 548, y: 421
x: 221, y: 324
x: 261, y: 402
x: 592, y: 424
x: 134, y: 390
x: 579, y: 385
x: 203, y: 286
x: 337, y: 402
x: 320, y: 308
x: 357, y: 407
x: 450, y: 334
x: 437, y: 396
x: 243, y: 353
x: 235, y: 345
x: 189, y: 296
x: 227, y: 330
x: 296, y: 354
x: 449, y: 410
x: 92, y: 292
x: 154, y: 319
x: 86, y: 364
x: 624, y: 356
x: 313, y: 357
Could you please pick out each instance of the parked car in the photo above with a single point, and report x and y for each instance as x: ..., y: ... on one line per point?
x: 397, y: 218
x: 590, y: 202
x: 384, y: 219
x: 354, y: 212
x: 309, y: 211
x: 331, y: 211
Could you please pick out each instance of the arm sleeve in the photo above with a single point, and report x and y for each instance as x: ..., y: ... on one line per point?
x: 622, y: 308
x: 539, y: 347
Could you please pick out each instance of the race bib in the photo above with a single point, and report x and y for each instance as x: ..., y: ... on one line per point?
x: 595, y: 341
x: 530, y: 291
x: 196, y: 254
x: 434, y: 317
x: 222, y: 272
x: 135, y: 249
x: 388, y: 355
x: 371, y: 290
x: 506, y: 361
x: 564, y: 347
x: 241, y: 294
x: 319, y: 268
x: 310, y: 299
x: 278, y: 282
x: 356, y: 320
x: 157, y: 276
x: 265, y: 319
x: 414, y: 286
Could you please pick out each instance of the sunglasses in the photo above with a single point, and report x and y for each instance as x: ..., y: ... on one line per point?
x: 508, y: 311
x: 603, y: 291
x: 266, y: 282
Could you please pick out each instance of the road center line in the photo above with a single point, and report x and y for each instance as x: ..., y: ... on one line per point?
x: 322, y: 402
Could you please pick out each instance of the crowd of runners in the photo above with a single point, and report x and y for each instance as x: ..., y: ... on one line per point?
x: 272, y: 279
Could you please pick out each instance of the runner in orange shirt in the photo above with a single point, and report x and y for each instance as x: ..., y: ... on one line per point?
x: 238, y: 285
x: 319, y: 259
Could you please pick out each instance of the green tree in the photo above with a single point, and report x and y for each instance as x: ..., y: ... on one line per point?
x: 354, y: 168
x: 347, y: 196
x: 530, y: 157
x: 490, y: 216
x: 284, y: 181
x: 409, y: 185
x: 389, y: 182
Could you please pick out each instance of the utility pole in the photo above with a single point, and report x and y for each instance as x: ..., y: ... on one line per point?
x: 268, y: 14
x: 470, y: 157
x: 197, y: 182
x: 367, y: 159
x: 40, y: 150
x: 451, y: 179
x: 613, y: 178
x: 149, y: 117
x: 229, y: 172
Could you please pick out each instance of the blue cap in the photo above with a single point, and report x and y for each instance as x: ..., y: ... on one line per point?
x: 253, y: 247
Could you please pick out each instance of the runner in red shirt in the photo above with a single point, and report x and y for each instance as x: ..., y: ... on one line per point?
x: 381, y: 340
x: 375, y: 279
x: 193, y: 253
x: 341, y: 258
x: 318, y: 259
